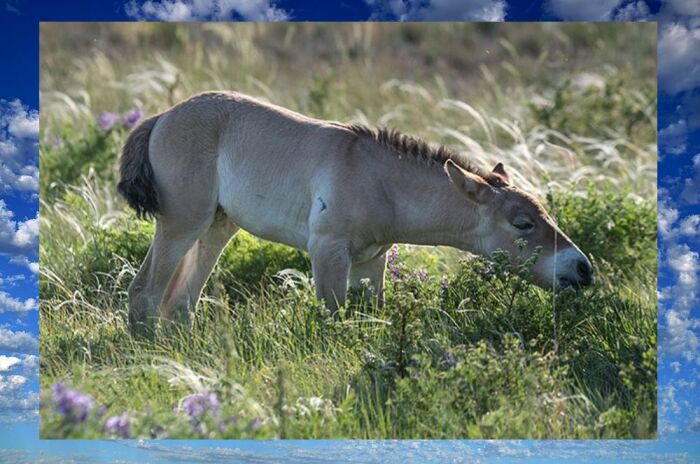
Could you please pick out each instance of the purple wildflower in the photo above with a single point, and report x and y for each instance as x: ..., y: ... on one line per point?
x: 393, y: 263
x: 118, y: 426
x: 132, y: 117
x: 395, y: 272
x: 71, y: 404
x: 393, y: 257
x: 224, y: 424
x: 255, y: 424
x: 449, y: 358
x: 422, y: 275
x: 196, y: 405
x: 107, y: 120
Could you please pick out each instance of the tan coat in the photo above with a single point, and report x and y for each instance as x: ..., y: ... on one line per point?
x: 221, y: 160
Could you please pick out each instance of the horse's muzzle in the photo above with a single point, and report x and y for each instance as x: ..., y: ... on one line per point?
x: 584, y: 276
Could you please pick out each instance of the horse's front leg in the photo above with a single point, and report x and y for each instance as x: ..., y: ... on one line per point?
x: 330, y: 264
x: 373, y: 270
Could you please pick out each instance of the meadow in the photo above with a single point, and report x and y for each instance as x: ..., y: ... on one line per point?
x: 463, y: 347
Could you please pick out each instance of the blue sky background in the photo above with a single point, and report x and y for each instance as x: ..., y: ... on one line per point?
x: 679, y: 229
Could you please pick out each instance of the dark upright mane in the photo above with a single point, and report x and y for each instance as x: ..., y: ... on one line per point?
x: 419, y: 149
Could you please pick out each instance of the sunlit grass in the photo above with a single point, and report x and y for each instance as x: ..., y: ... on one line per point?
x: 472, y: 351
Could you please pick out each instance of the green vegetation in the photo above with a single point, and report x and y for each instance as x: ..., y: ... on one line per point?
x: 466, y: 349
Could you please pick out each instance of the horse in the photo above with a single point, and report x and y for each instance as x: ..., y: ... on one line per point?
x: 221, y: 161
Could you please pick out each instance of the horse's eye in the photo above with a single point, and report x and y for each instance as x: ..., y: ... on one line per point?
x: 524, y: 225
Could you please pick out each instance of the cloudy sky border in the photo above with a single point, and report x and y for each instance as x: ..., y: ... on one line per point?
x: 679, y: 171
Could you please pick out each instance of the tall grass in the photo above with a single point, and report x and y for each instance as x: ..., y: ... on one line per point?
x: 465, y: 349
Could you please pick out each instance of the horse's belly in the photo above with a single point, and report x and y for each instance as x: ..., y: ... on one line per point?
x: 269, y: 223
x: 371, y: 252
x: 268, y: 213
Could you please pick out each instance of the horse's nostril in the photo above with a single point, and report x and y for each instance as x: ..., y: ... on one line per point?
x: 584, y: 271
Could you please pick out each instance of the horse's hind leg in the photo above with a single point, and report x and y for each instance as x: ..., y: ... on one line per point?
x: 146, y: 291
x: 186, y: 285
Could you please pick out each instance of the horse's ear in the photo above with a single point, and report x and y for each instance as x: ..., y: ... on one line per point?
x: 469, y: 184
x: 501, y: 171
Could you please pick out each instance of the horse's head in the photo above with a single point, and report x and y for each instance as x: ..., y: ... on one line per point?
x: 507, y: 214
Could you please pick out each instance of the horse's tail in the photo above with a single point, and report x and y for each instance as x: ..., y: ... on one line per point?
x: 137, y: 184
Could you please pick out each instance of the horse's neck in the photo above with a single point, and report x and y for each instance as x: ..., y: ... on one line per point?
x: 429, y: 210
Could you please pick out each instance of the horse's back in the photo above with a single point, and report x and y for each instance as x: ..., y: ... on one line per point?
x: 262, y: 163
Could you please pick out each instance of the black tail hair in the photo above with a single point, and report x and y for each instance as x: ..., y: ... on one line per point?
x: 137, y: 184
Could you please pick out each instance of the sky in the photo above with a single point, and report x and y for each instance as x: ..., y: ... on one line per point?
x: 679, y: 229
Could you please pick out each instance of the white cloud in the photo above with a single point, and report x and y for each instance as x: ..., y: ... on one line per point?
x: 440, y: 10
x: 685, y: 263
x: 679, y: 328
x: 457, y: 451
x: 635, y: 11
x: 11, y: 382
x: 197, y: 10
x: 673, y: 138
x: 19, y: 148
x: 30, y: 365
x: 11, y: 280
x: 17, y: 341
x: 577, y: 10
x: 676, y: 366
x: 33, y: 266
x: 684, y: 7
x: 671, y: 225
x: 685, y: 384
x: 682, y: 259
x: 679, y: 338
x: 599, y: 10
x: 667, y: 219
x: 19, y: 239
x: 11, y: 304
x: 22, y: 123
x: 679, y: 58
x: 668, y: 404
x: 27, y: 234
x: 19, y: 406
x: 8, y: 362
x: 690, y: 108
x: 12, y: 6
x: 691, y: 185
x: 690, y: 225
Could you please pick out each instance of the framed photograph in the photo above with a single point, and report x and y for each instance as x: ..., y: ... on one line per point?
x: 359, y: 231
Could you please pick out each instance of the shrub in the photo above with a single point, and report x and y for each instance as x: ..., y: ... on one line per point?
x: 609, y: 226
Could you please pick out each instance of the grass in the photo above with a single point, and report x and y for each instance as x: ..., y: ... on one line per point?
x: 470, y: 351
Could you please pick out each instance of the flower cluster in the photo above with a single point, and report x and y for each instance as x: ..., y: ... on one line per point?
x: 393, y: 263
x: 71, y: 404
x: 198, y: 404
x: 397, y: 269
x: 118, y: 426
x: 422, y: 275
x: 449, y: 358
x: 108, y: 120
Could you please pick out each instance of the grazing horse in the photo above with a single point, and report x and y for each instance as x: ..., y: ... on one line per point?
x: 221, y: 161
